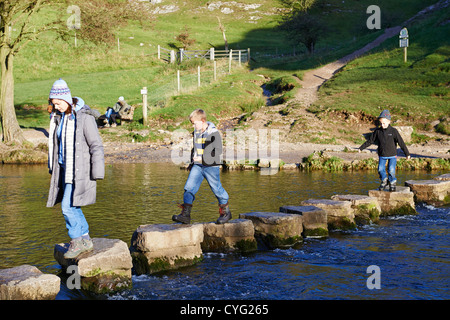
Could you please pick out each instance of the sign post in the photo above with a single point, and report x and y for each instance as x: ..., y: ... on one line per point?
x: 404, y: 42
x: 144, y: 104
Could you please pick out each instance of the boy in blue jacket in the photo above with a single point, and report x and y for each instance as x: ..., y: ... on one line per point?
x: 386, y: 137
x: 205, y: 164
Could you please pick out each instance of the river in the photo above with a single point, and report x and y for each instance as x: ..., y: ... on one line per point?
x: 412, y: 252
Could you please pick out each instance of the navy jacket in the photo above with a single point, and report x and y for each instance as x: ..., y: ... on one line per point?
x: 387, y: 140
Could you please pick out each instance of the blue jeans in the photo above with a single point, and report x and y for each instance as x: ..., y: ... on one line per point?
x: 196, y: 176
x: 392, y: 162
x: 76, y: 223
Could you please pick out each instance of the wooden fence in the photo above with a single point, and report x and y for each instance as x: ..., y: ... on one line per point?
x: 172, y: 56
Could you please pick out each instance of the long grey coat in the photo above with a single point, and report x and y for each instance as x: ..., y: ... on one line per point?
x: 89, y: 164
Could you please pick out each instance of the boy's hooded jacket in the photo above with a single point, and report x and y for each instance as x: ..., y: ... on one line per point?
x: 208, y: 145
x: 83, y: 155
x: 387, y: 140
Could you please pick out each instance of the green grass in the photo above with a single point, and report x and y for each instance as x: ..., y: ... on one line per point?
x: 415, y: 91
x: 100, y: 75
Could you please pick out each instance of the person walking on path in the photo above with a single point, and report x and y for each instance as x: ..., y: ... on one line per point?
x: 75, y: 162
x: 205, y: 164
x: 387, y: 138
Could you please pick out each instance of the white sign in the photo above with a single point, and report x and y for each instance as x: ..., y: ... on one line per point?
x: 404, y: 38
x: 143, y: 91
x: 403, y: 33
x: 404, y: 43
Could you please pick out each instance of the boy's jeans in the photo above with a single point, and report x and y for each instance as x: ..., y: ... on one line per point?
x: 75, y: 221
x: 392, y: 162
x: 196, y: 176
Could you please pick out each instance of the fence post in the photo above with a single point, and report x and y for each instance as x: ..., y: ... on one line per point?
x: 118, y: 45
x: 229, y: 62
x: 239, y: 58
x: 172, y: 56
x: 211, y: 54
x: 178, y: 80
x: 159, y: 52
x: 215, y: 70
x: 248, y: 54
x: 144, y: 105
x: 181, y: 55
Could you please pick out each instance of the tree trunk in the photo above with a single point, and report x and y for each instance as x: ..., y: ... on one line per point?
x: 10, y: 126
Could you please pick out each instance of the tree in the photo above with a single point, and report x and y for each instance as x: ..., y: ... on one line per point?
x: 222, y: 29
x: 303, y: 28
x: 15, y: 14
x: 101, y: 18
x: 298, y: 5
x: 184, y: 38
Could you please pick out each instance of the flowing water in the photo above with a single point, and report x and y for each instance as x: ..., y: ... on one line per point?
x: 412, y: 252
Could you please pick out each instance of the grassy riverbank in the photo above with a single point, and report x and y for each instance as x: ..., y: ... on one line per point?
x: 101, y: 74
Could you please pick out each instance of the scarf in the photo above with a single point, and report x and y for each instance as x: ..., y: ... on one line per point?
x: 65, y: 133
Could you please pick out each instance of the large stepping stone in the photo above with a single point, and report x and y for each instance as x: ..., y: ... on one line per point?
x: 340, y: 214
x: 159, y: 247
x: 28, y: 283
x: 106, y: 269
x: 399, y: 202
x: 276, y: 229
x: 314, y: 220
x: 237, y: 235
x: 435, y: 192
x: 366, y: 209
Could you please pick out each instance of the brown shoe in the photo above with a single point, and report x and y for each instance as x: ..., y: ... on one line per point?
x: 225, y: 214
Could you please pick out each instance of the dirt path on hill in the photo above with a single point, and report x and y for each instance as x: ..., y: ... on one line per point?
x: 314, y: 79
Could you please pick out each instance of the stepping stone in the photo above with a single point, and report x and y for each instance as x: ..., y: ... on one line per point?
x: 314, y: 220
x: 444, y: 177
x: 237, y: 235
x: 159, y: 247
x: 28, y: 283
x: 105, y: 269
x: 400, y: 202
x: 276, y: 229
x: 340, y: 214
x: 435, y: 192
x: 366, y: 209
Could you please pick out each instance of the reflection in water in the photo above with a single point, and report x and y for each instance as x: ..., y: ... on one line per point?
x: 412, y: 250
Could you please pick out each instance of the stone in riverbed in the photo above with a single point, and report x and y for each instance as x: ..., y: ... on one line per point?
x: 367, y: 209
x: 276, y: 229
x: 399, y: 202
x: 435, y: 192
x: 314, y: 220
x: 159, y: 247
x: 237, y: 235
x: 105, y: 269
x: 340, y: 214
x: 27, y: 282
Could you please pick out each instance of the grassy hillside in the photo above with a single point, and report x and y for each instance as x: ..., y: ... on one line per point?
x: 100, y: 75
x: 416, y: 92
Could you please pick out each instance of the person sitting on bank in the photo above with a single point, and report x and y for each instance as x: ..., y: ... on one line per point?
x: 120, y: 108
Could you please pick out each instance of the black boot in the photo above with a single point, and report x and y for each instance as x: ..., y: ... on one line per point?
x: 225, y: 214
x: 383, y: 184
x: 392, y: 186
x: 185, y: 215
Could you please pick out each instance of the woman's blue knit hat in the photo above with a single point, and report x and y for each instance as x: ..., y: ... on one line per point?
x: 385, y: 114
x: 60, y: 90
